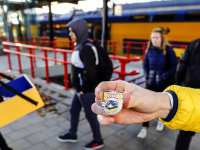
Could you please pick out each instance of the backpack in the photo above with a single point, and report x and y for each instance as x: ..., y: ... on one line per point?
x: 105, y: 66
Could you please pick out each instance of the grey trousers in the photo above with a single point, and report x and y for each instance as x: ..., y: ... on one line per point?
x: 85, y: 101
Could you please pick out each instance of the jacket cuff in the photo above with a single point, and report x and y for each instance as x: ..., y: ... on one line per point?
x: 174, y: 107
x: 187, y: 115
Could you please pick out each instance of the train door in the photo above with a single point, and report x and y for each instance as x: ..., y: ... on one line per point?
x: 97, y: 31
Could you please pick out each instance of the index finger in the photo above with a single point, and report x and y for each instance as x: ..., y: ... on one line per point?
x: 109, y: 85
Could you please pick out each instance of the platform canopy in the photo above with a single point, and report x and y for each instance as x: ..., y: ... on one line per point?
x: 44, y: 2
x: 15, y: 5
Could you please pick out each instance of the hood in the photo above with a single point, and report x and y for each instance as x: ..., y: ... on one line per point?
x: 80, y: 28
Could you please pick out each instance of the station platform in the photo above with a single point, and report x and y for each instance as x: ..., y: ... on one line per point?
x: 33, y: 132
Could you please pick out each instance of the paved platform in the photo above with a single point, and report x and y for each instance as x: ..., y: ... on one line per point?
x: 33, y: 132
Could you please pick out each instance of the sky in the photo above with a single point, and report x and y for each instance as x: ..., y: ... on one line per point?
x: 87, y: 5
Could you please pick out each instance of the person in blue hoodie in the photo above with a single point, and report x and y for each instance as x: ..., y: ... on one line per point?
x: 84, y: 78
x: 159, y: 68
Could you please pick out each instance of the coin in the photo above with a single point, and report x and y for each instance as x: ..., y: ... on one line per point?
x: 112, y: 101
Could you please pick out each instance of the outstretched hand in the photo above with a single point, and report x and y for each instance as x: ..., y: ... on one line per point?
x: 140, y: 105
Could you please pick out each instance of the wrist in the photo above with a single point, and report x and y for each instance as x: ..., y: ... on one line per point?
x: 165, y: 106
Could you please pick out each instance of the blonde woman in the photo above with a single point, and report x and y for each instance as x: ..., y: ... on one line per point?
x: 159, y: 68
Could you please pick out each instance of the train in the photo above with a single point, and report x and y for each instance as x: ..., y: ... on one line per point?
x: 134, y: 24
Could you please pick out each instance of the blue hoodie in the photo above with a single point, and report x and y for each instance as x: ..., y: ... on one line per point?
x: 155, y: 65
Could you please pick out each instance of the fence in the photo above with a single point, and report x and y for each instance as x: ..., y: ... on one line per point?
x: 116, y: 48
x: 31, y: 54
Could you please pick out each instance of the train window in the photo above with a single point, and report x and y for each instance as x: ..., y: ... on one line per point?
x: 89, y: 12
x: 192, y: 16
x: 139, y: 18
x: 165, y: 17
x: 96, y: 12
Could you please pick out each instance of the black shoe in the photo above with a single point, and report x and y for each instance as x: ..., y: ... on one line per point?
x: 67, y: 138
x: 94, y: 145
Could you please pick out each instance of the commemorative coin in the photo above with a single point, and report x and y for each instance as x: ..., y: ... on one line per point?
x: 112, y: 102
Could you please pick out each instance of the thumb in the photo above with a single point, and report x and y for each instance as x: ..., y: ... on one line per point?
x: 127, y: 98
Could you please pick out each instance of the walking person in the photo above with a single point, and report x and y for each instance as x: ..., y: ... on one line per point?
x: 84, y: 78
x: 159, y: 68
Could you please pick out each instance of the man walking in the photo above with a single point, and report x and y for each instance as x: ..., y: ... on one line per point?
x: 84, y: 78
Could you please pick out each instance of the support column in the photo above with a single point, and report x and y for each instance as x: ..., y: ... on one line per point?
x: 51, y: 33
x: 104, y: 24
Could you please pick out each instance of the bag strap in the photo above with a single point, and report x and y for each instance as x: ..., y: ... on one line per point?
x: 84, y: 43
x: 18, y: 93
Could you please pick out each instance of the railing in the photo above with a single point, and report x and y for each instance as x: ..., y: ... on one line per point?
x: 30, y: 48
x: 26, y: 39
x: 117, y: 48
x: 183, y: 46
x: 121, y: 74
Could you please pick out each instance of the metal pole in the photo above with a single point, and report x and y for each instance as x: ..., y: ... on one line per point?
x: 123, y: 69
x: 28, y: 20
x: 46, y: 67
x: 37, y: 22
x: 19, y: 28
x: 8, y: 54
x: 5, y: 7
x: 143, y: 52
x: 104, y: 24
x: 19, y: 60
x: 51, y: 35
x: 31, y: 61
x: 24, y: 22
x: 65, y: 71
x: 113, y: 7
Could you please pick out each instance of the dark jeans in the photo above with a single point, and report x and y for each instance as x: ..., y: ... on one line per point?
x: 183, y: 140
x: 3, y: 145
x: 155, y: 89
x: 85, y: 101
x: 145, y: 124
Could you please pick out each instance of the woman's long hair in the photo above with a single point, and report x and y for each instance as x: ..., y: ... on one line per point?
x: 164, y: 42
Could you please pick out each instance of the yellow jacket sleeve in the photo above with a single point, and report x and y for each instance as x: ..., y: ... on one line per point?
x: 187, y: 115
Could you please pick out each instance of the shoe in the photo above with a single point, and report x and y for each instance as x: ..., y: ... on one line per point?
x: 94, y: 145
x: 160, y: 126
x: 67, y: 138
x: 142, y: 134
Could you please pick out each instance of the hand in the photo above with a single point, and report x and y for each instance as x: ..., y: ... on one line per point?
x: 81, y: 92
x: 140, y: 105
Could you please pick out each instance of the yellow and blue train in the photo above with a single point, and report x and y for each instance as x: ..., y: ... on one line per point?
x: 136, y: 24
